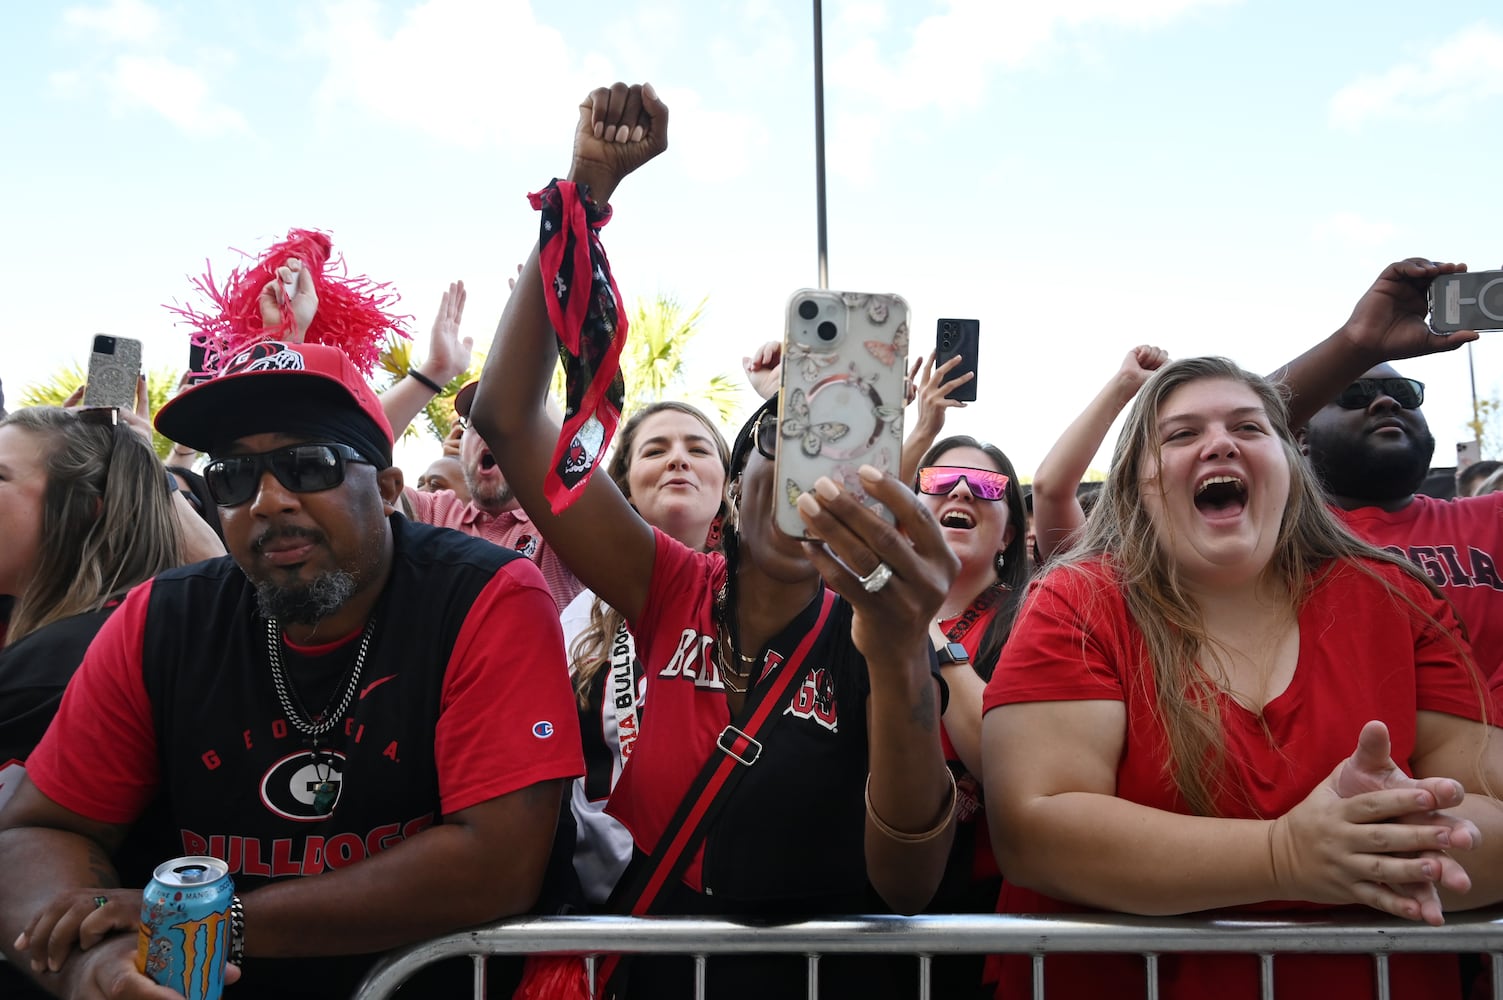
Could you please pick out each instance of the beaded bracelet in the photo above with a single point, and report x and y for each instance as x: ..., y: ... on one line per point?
x: 914, y: 838
x: 237, y: 932
x: 425, y: 380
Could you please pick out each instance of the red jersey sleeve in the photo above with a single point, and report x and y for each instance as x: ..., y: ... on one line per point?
x: 507, y: 718
x: 1068, y: 643
x: 1447, y: 678
x: 99, y: 756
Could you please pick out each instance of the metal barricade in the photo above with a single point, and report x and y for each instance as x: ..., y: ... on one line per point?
x: 925, y: 936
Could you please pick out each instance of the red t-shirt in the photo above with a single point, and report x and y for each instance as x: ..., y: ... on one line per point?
x: 1458, y: 544
x: 1363, y: 654
x: 99, y: 758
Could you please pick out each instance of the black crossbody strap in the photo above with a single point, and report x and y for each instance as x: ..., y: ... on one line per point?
x: 740, y: 744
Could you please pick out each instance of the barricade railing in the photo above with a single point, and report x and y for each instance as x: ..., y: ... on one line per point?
x: 926, y: 936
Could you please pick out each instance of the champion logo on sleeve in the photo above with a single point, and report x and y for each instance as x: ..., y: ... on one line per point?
x: 542, y: 729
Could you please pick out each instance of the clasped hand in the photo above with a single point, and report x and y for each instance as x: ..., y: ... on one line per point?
x: 105, y: 935
x: 1371, y: 834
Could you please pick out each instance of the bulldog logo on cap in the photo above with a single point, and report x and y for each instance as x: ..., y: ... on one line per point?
x: 268, y: 355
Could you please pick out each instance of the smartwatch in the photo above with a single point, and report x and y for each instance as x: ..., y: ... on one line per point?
x: 952, y: 652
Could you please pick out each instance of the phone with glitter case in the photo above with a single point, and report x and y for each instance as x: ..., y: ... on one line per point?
x: 114, y: 370
x: 840, y: 403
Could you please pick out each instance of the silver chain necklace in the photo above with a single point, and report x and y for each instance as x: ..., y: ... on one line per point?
x: 292, y: 706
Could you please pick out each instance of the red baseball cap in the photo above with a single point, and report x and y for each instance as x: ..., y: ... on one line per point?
x: 274, y: 387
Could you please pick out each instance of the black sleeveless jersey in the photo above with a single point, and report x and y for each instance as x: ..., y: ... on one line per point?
x: 241, y: 783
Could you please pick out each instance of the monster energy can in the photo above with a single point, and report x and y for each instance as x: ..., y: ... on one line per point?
x: 185, y: 926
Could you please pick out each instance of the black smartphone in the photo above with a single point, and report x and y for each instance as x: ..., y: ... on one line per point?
x: 1471, y: 300
x: 958, y: 336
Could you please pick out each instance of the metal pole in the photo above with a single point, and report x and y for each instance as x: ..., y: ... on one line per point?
x: 819, y: 148
x: 1476, y: 414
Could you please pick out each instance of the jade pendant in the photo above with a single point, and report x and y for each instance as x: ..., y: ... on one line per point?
x: 324, y: 794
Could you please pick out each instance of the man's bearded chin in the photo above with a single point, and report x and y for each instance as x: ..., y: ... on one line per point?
x: 308, y: 604
x: 1390, y: 474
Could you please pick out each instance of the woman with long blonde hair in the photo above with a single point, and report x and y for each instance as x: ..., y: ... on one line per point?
x: 1171, y: 726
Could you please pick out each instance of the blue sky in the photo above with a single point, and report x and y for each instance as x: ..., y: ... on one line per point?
x: 1081, y: 175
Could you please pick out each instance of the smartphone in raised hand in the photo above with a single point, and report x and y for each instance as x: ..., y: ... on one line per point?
x: 840, y: 403
x: 114, y: 371
x: 1470, y: 300
x: 958, y: 337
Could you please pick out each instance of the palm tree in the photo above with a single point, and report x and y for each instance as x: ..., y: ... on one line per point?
x: 395, y: 361
x: 653, y: 361
x: 652, y: 365
x: 62, y: 383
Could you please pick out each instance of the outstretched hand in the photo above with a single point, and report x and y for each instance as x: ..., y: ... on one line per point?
x: 1388, y: 322
x: 448, y: 353
x: 932, y: 388
x: 620, y: 128
x: 764, y: 368
x: 137, y: 419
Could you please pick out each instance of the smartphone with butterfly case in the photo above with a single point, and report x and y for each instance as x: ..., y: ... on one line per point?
x: 840, y: 404
x: 114, y: 370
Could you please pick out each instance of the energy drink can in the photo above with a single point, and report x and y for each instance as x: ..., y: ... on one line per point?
x: 185, y: 926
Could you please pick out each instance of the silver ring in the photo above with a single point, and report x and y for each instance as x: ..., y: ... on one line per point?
x: 877, y: 578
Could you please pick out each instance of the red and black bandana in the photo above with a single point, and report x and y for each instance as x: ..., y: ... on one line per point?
x: 584, y: 307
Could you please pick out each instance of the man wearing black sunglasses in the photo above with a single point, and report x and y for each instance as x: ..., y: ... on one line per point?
x: 370, y: 719
x: 1372, y: 448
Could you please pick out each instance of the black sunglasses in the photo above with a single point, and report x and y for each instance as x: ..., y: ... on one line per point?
x: 1408, y: 393
x: 302, y: 468
x: 765, y: 435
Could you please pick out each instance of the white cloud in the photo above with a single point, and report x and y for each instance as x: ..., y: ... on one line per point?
x: 131, y: 21
x: 1446, y: 82
x: 853, y: 146
x: 710, y: 144
x: 482, y: 73
x: 66, y: 83
x: 953, y: 54
x: 1352, y: 229
x: 177, y: 93
x: 143, y: 79
x: 473, y: 72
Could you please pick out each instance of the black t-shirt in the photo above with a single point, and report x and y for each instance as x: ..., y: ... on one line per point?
x: 33, y: 673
